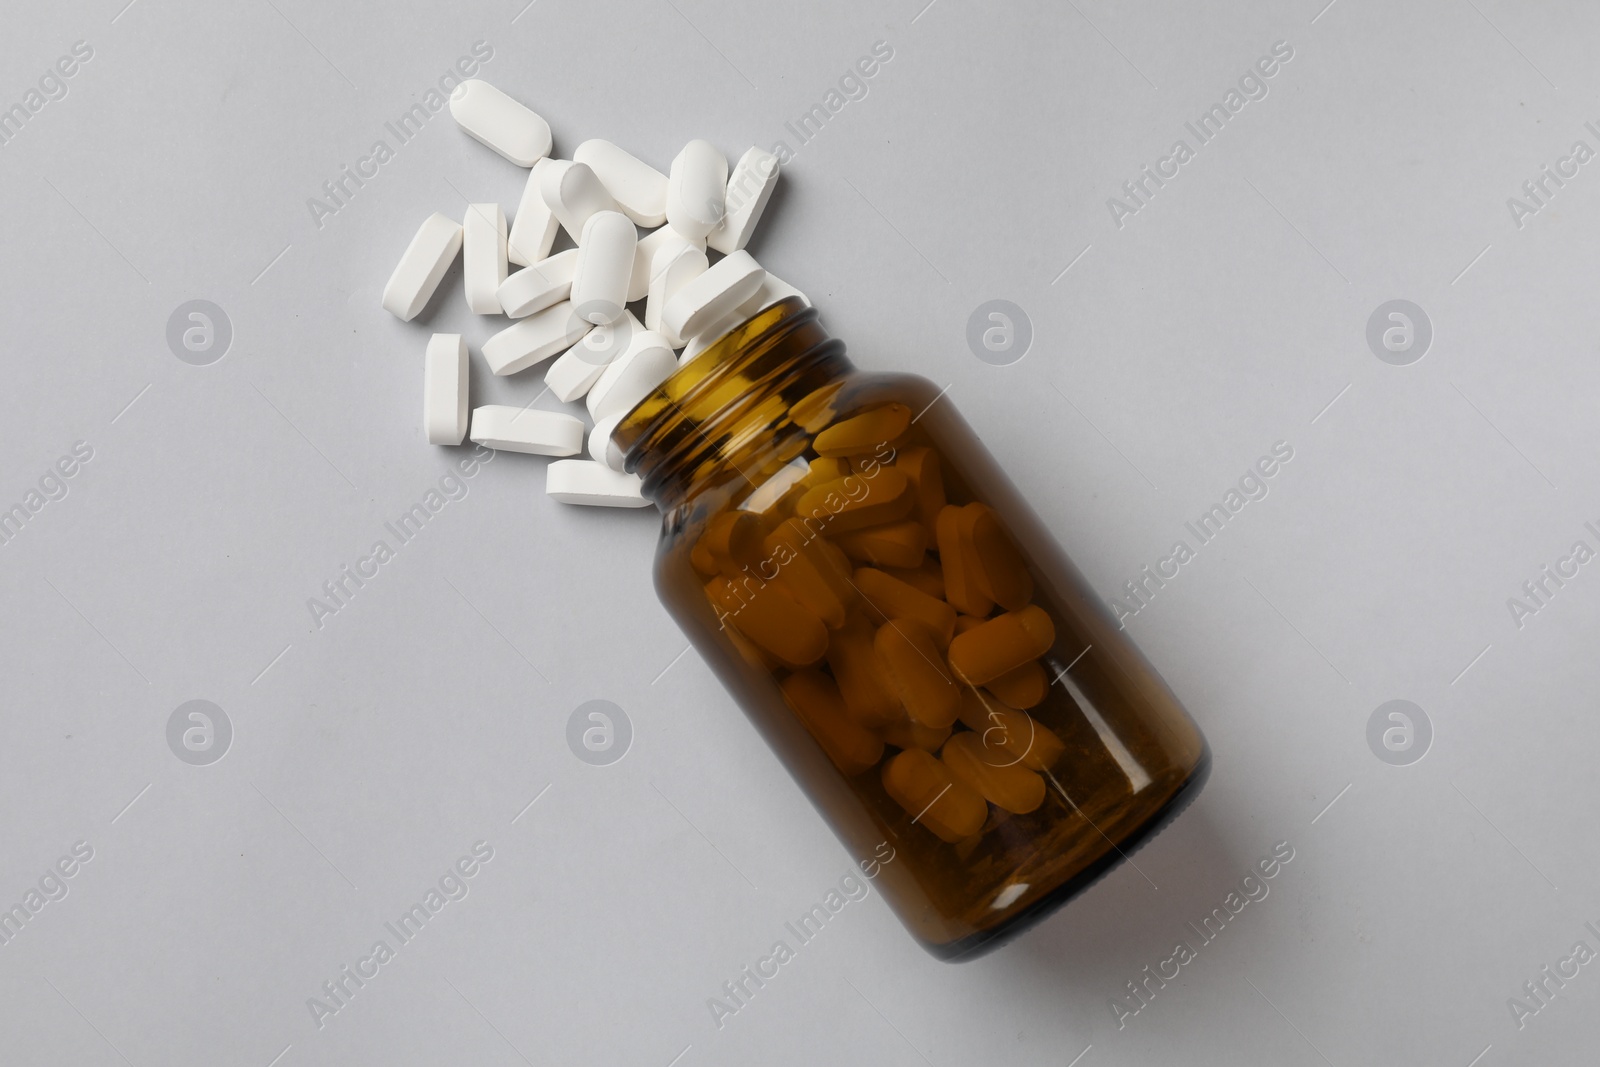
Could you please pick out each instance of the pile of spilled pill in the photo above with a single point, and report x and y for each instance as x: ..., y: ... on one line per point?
x: 573, y: 305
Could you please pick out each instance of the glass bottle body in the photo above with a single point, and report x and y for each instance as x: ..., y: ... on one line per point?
x: 911, y: 641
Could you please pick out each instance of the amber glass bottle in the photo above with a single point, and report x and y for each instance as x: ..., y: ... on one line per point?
x: 897, y: 622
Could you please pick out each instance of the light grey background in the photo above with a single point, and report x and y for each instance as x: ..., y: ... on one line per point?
x: 1228, y: 314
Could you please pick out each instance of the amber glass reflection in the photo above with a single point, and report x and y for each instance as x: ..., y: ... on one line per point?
x: 894, y: 618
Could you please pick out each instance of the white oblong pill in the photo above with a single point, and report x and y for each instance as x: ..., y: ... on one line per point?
x: 575, y: 373
x: 417, y: 275
x: 697, y: 189
x: 605, y: 266
x: 749, y: 189
x: 538, y: 433
x: 649, y: 245
x: 444, y: 389
x: 713, y: 295
x: 674, y: 266
x: 638, y: 188
x: 630, y: 378
x: 601, y: 450
x: 583, y: 481
x: 573, y: 193
x: 773, y: 289
x: 535, y: 288
x: 533, y: 230
x: 483, y: 256
x: 539, y: 336
x: 490, y: 116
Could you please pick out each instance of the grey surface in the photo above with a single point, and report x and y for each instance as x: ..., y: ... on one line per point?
x: 1228, y: 314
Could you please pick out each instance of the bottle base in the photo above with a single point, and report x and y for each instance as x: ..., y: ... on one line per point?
x: 984, y: 941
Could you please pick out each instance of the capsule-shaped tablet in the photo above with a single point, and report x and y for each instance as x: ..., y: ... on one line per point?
x: 1001, y: 644
x: 993, y: 773
x: 573, y: 193
x: 583, y: 481
x: 893, y: 599
x: 703, y: 564
x: 644, y: 257
x: 431, y: 251
x: 539, y: 286
x: 537, y: 337
x: 751, y: 652
x: 731, y: 545
x: 604, y: 266
x: 483, y: 256
x: 855, y: 667
x: 1021, y: 687
x: 863, y: 433
x: 601, y: 448
x: 646, y: 363
x: 979, y: 710
x: 444, y: 389
x: 712, y: 295
x: 492, y: 117
x: 768, y: 617
x: 921, y: 465
x: 1001, y: 573
x: 533, y: 230
x: 856, y: 502
x: 580, y: 367
x: 908, y: 733
x: 675, y: 265
x: 825, y: 469
x: 895, y: 544
x: 915, y: 665
x: 537, y: 433
x: 749, y: 188
x: 959, y: 562
x: 638, y: 188
x: 697, y: 189
x: 1024, y: 739
x: 840, y: 562
x: 926, y: 576
x: 815, y: 699
x: 924, y: 787
x: 807, y: 574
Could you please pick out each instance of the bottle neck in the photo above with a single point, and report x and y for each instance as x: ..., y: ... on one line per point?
x: 729, y: 419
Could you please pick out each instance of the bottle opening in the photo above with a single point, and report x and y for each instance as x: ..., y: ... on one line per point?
x: 730, y: 414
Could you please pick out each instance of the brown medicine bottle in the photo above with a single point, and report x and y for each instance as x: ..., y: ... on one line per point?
x: 897, y: 622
